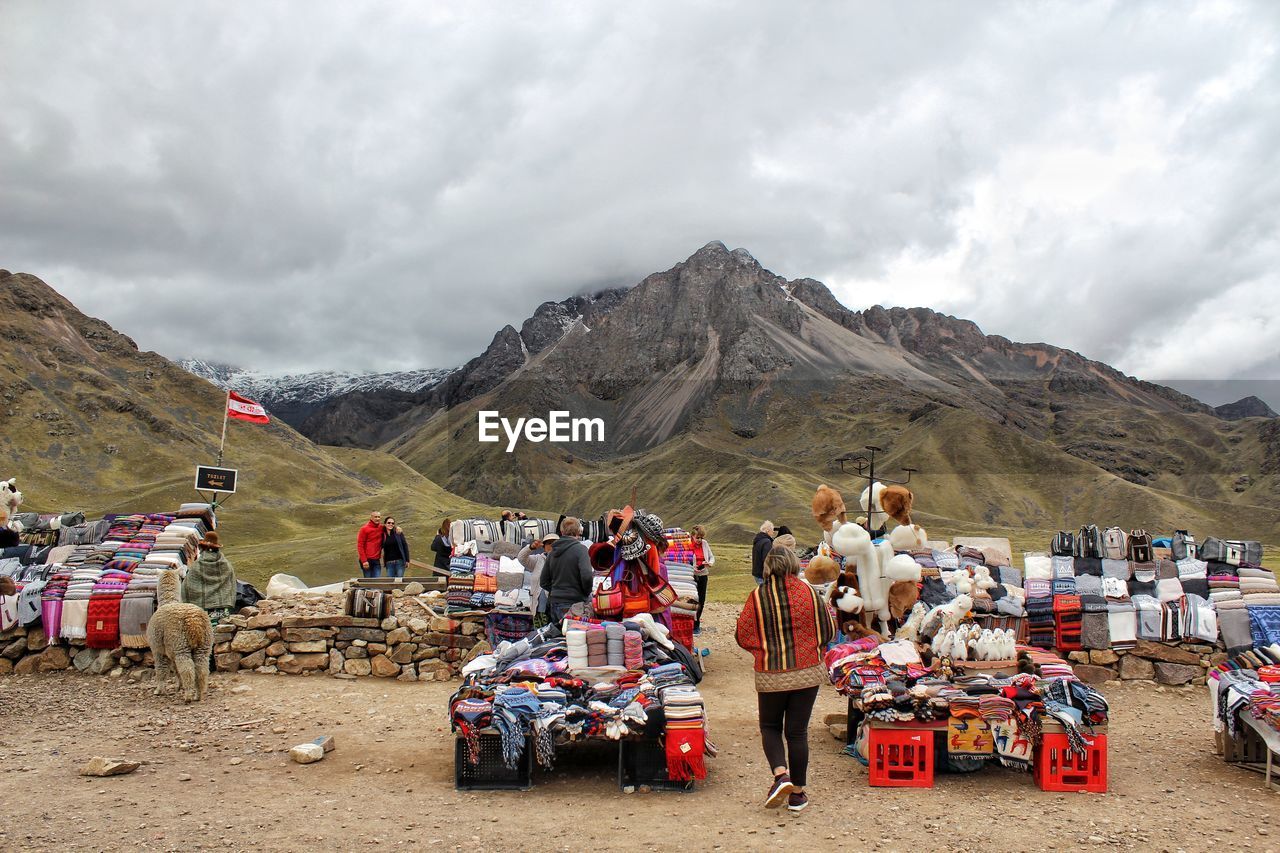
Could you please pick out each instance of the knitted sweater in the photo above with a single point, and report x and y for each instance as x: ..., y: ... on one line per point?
x: 210, y: 582
x: 785, y: 625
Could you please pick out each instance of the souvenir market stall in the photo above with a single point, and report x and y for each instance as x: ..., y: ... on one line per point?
x: 611, y: 670
x: 938, y: 635
x: 93, y: 583
x: 1245, y: 696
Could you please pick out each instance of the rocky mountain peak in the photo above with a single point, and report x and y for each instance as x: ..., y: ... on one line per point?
x: 1246, y: 407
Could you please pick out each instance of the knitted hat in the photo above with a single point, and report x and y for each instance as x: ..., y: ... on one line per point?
x: 602, y: 555
x: 632, y: 546
x: 210, y: 540
x: 650, y: 526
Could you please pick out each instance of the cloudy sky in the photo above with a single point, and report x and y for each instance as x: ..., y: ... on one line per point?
x: 313, y: 185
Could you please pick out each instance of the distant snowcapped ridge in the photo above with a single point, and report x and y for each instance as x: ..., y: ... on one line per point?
x: 309, y: 388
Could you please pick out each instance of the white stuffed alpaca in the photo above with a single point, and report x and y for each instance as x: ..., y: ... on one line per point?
x: 849, y: 601
x: 946, y: 616
x: 852, y: 541
x: 870, y: 503
x: 908, y: 537
x: 10, y: 500
x: 982, y: 579
x: 910, y: 629
x: 901, y: 567
x: 962, y: 581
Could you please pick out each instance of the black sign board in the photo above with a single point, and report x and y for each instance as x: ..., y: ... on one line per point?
x: 210, y: 479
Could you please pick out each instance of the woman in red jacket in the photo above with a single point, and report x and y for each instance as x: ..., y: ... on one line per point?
x: 786, y: 626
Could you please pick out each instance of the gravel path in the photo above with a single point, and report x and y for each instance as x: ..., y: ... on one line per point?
x: 216, y: 776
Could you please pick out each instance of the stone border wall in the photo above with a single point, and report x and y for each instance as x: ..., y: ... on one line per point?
x: 422, y: 648
x: 1164, y: 663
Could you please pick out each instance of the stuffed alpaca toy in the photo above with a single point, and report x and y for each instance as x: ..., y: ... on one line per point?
x: 181, y: 638
x: 821, y: 570
x: 896, y: 502
x: 910, y: 629
x: 982, y: 580
x: 903, y: 574
x: 10, y: 500
x: 851, y: 541
x: 848, y: 602
x: 870, y: 503
x: 946, y: 616
x: 828, y: 507
x: 908, y: 537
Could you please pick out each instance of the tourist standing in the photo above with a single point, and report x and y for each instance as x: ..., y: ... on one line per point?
x: 395, y: 550
x: 567, y: 575
x: 703, y: 560
x: 442, y: 546
x: 759, y: 548
x: 533, y: 557
x: 210, y: 582
x: 785, y: 625
x: 369, y: 546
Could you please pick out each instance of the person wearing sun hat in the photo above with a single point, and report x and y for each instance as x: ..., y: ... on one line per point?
x: 210, y: 582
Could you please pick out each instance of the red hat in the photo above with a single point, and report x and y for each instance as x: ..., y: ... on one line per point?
x: 602, y: 555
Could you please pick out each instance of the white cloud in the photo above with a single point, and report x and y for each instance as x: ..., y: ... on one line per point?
x: 334, y: 185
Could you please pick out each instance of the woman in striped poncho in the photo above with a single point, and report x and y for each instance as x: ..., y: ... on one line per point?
x: 786, y: 626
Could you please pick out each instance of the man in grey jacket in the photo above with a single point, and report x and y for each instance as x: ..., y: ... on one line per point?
x: 567, y: 575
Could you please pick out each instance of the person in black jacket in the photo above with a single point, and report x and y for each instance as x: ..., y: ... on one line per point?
x: 567, y: 575
x: 760, y: 549
x: 395, y: 549
x: 442, y: 547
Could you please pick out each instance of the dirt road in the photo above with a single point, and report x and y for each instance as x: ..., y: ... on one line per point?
x: 217, y: 777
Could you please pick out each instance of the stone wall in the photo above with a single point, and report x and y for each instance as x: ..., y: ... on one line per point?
x: 294, y: 636
x: 1164, y: 663
x: 417, y: 648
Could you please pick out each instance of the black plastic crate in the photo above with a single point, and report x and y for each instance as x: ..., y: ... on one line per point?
x: 643, y: 761
x: 491, y: 774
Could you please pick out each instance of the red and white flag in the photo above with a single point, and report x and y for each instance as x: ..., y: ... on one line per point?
x: 244, y: 409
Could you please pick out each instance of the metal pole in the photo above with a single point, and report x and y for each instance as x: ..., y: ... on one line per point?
x: 225, y: 405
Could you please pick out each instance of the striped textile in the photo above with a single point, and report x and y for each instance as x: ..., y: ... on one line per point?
x: 785, y: 625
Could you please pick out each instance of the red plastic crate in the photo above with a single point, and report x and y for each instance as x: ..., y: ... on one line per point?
x: 900, y: 757
x: 1058, y: 769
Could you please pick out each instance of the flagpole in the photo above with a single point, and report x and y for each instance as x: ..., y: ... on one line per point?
x: 226, y: 406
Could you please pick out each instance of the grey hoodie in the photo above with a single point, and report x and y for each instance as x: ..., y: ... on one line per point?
x: 567, y: 574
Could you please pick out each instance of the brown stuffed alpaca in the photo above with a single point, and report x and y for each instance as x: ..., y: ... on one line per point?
x: 896, y: 501
x: 903, y: 596
x: 828, y: 507
x: 821, y: 570
x: 848, y: 605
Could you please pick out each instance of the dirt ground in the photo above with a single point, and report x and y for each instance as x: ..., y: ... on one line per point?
x: 217, y: 776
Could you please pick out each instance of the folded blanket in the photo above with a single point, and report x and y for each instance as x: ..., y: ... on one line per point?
x: 1236, y: 630
x: 1008, y: 575
x: 1122, y: 625
x: 1264, y: 624
x: 1088, y: 585
x: 1121, y: 569
x: 1063, y: 567
x: 1095, y: 631
x: 1088, y: 566
x: 1166, y: 569
x: 1038, y: 566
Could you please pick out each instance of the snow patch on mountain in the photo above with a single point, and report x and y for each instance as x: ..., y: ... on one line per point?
x: 272, y: 389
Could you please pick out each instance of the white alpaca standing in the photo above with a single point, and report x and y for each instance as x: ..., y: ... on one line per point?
x: 851, y: 540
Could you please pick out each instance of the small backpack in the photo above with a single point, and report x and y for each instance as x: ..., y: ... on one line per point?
x: 1063, y: 545
x: 1089, y: 542
x: 1140, y: 546
x: 1115, y: 544
x: 1183, y: 546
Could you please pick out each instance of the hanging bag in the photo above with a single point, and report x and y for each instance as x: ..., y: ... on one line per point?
x: 607, y: 600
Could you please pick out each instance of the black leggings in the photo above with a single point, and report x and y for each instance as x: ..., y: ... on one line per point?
x: 787, y: 711
x: 700, y: 581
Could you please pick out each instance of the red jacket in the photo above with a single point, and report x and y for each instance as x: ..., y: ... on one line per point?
x: 369, y: 542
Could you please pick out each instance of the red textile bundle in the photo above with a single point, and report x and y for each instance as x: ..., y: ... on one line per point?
x: 686, y: 750
x: 103, y: 626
